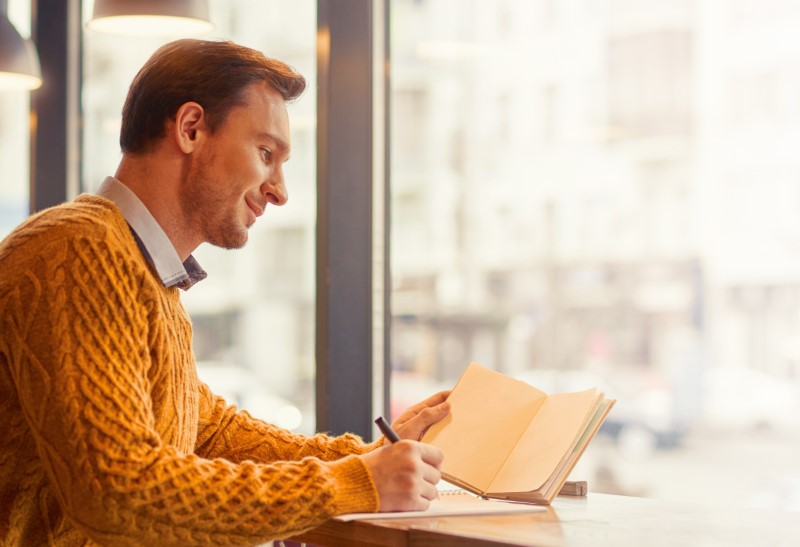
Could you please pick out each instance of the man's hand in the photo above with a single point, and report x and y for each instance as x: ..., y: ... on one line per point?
x: 415, y: 421
x: 405, y: 474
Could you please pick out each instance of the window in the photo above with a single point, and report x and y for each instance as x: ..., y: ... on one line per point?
x: 608, y: 194
x: 253, y: 316
x: 15, y: 138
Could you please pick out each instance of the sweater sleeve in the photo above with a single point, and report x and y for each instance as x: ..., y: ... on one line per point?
x: 227, y: 433
x: 80, y: 365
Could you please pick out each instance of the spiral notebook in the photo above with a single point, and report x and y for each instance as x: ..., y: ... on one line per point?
x: 452, y: 503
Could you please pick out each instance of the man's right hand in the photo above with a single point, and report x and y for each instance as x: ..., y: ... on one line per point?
x: 405, y: 474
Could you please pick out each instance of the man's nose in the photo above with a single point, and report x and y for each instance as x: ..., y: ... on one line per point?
x: 275, y: 189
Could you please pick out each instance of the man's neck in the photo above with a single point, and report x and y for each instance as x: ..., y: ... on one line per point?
x: 157, y: 189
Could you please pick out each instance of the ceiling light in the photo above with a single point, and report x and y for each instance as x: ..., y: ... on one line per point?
x: 151, y: 17
x: 19, y: 63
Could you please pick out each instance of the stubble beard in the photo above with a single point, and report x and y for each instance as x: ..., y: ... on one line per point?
x: 214, y: 216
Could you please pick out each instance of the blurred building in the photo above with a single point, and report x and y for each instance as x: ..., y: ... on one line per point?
x: 609, y: 186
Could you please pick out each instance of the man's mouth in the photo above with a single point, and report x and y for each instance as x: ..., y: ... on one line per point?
x: 255, y: 207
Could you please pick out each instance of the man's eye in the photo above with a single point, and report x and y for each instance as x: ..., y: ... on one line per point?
x: 266, y: 154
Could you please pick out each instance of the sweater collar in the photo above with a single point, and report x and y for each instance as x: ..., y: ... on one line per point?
x: 152, y: 241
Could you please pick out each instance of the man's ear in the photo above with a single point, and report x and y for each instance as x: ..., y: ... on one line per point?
x: 190, y: 125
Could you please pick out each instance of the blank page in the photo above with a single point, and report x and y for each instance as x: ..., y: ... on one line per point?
x: 548, y: 439
x: 488, y: 415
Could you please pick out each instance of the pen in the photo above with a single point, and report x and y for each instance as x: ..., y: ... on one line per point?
x: 386, y: 429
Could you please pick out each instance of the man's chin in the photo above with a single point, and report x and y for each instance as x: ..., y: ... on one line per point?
x: 230, y: 241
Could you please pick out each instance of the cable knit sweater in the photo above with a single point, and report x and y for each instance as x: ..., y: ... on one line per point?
x: 106, y: 434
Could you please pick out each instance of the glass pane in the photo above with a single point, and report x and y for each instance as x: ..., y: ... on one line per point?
x: 15, y: 138
x: 253, y: 317
x: 607, y: 193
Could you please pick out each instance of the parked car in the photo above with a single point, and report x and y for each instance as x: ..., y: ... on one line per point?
x: 744, y: 399
x: 643, y: 417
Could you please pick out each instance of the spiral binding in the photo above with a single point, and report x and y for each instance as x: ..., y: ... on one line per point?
x: 453, y: 492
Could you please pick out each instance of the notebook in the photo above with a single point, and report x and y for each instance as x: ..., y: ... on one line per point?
x: 452, y: 503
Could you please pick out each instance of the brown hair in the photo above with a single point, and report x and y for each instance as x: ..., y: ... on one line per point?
x: 213, y: 74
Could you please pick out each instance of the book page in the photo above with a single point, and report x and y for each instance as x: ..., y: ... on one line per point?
x: 553, y: 484
x: 452, y: 505
x: 560, y: 421
x: 489, y: 412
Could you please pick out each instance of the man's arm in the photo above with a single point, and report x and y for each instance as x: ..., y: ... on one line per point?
x: 225, y: 432
x: 405, y: 474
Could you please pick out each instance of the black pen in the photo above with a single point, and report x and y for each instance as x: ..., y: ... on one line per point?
x: 386, y: 429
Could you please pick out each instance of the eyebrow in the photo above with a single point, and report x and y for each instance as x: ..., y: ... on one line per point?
x: 279, y: 143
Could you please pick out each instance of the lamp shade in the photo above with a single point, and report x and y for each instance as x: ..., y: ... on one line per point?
x: 151, y: 17
x: 19, y: 63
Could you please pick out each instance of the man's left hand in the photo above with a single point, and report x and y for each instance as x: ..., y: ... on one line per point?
x: 415, y: 421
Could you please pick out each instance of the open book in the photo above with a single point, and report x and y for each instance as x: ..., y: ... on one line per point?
x: 505, y: 439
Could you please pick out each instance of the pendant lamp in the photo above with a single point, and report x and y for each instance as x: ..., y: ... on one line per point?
x: 19, y: 62
x: 151, y: 17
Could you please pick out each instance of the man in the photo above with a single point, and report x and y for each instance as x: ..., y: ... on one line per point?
x: 107, y: 435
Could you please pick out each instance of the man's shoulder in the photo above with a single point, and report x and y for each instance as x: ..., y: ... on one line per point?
x: 86, y: 220
x: 86, y: 215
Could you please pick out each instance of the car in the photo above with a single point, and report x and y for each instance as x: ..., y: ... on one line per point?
x: 644, y: 417
x: 745, y: 399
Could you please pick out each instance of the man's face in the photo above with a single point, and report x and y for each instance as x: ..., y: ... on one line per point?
x: 238, y: 169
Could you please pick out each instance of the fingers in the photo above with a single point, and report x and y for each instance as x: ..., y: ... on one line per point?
x: 432, y: 456
x: 413, y: 423
x: 405, y: 475
x: 428, y: 494
x: 431, y: 475
x: 433, y: 414
x: 432, y: 401
x: 435, y: 399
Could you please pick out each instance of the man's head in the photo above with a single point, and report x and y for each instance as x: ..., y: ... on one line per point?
x: 205, y: 134
x: 210, y: 73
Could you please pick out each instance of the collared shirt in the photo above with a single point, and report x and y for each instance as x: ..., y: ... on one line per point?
x: 152, y: 241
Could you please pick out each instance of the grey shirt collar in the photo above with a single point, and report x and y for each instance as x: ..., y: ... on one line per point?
x: 153, y: 242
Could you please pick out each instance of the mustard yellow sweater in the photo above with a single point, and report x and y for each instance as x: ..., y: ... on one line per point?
x: 106, y: 434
